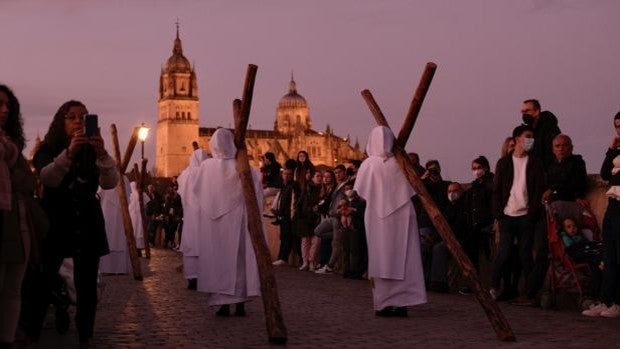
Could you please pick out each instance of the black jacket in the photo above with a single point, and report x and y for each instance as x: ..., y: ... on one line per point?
x: 74, y: 211
x: 613, y: 205
x: 479, y: 198
x: 568, y: 179
x: 546, y: 129
x: 535, y: 183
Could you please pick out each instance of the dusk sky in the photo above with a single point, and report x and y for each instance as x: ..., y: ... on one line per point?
x: 491, y: 55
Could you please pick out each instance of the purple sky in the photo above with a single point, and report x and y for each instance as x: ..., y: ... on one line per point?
x: 491, y: 56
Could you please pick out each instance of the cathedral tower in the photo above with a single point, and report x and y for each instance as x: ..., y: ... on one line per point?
x: 177, y: 123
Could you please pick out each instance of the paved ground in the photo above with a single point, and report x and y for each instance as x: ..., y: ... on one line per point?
x: 320, y: 311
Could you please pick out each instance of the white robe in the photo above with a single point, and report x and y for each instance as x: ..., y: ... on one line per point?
x: 191, y: 213
x: 117, y: 261
x: 394, y: 257
x: 227, y: 264
x: 136, y: 215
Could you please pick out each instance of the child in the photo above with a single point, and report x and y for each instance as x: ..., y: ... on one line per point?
x: 577, y: 246
x: 582, y: 250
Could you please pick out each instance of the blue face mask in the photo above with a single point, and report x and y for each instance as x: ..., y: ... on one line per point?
x: 528, y: 144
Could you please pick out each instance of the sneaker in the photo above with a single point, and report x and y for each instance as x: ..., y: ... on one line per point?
x: 326, y: 269
x: 312, y: 267
x: 611, y: 312
x: 304, y: 266
x: 465, y: 291
x: 595, y: 310
x: 279, y: 262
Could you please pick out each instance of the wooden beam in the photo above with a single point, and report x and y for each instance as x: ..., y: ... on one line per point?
x: 129, y: 151
x: 416, y: 104
x: 276, y: 330
x: 122, y: 194
x: 141, y: 186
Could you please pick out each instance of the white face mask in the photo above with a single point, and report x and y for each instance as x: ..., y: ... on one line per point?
x: 528, y: 144
x: 478, y: 173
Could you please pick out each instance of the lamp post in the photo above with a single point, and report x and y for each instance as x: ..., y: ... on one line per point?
x: 143, y: 132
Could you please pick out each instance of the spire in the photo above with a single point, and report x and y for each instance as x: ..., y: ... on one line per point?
x: 177, y: 49
x: 292, y: 87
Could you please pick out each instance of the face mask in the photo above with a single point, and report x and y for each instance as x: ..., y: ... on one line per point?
x: 528, y: 144
x: 453, y: 196
x: 478, y: 173
x: 528, y: 119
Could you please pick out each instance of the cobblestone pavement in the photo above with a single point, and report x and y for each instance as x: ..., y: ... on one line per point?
x: 320, y: 311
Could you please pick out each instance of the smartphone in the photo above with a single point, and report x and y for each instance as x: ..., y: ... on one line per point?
x: 91, y: 125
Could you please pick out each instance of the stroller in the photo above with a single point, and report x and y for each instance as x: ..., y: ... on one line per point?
x: 564, y: 273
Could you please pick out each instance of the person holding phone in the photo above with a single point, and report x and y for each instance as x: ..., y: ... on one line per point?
x: 72, y: 163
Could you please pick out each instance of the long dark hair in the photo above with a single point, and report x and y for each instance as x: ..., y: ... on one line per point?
x: 14, y: 123
x: 56, y: 138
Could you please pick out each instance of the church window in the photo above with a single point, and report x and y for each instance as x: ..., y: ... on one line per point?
x: 183, y: 115
x: 189, y: 114
x: 177, y: 115
x: 182, y: 87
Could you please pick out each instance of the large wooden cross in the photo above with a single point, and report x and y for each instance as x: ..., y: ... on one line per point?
x: 122, y: 194
x: 495, y: 315
x: 276, y: 330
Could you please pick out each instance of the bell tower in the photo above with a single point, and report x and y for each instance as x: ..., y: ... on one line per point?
x: 177, y: 123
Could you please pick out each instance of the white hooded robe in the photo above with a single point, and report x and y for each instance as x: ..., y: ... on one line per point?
x: 394, y: 257
x: 117, y: 261
x: 191, y: 213
x: 136, y: 215
x: 227, y: 268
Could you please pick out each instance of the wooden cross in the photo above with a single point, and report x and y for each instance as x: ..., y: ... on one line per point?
x: 140, y: 181
x: 495, y: 315
x: 276, y: 330
x: 122, y: 194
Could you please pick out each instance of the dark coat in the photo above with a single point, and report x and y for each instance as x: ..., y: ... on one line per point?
x: 613, y: 205
x: 568, y: 179
x: 306, y: 217
x: 535, y: 183
x: 478, y: 200
x: 439, y: 193
x: 76, y: 219
x: 271, y: 175
x: 546, y: 129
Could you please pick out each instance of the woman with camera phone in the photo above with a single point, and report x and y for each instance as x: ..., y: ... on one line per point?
x: 71, y: 166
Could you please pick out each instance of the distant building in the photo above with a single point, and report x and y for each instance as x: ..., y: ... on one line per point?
x: 178, y: 125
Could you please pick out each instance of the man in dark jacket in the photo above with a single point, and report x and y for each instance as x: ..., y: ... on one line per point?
x: 545, y: 127
x: 517, y: 205
x: 567, y: 178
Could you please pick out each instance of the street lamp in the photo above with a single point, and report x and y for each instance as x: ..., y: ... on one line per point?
x: 143, y: 132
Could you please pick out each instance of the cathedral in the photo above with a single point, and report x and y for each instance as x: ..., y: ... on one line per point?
x: 178, y: 125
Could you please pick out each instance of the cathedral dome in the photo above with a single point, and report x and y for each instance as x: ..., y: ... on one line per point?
x: 292, y: 99
x: 177, y: 62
